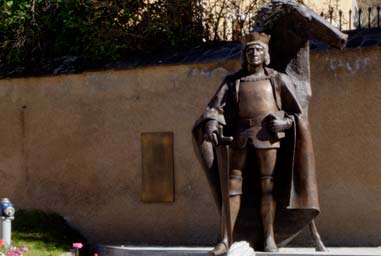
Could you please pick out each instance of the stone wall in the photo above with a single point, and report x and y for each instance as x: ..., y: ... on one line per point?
x: 71, y: 144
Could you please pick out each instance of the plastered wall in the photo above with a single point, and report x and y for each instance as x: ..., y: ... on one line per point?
x: 71, y: 144
x: 347, y: 131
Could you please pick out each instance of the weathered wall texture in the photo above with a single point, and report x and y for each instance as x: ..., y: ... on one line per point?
x: 71, y: 144
x: 345, y: 116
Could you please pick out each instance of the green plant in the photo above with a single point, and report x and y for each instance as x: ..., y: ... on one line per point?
x: 32, y: 31
x: 45, y: 234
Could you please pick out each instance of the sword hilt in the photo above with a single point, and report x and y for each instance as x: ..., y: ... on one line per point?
x: 221, y: 138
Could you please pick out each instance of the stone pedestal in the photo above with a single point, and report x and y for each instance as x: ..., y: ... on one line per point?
x: 152, y: 251
x: 203, y: 251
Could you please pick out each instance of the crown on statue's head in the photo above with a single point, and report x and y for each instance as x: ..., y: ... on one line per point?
x: 255, y: 37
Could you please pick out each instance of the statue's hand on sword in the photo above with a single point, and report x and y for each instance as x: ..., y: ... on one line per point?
x: 212, y: 132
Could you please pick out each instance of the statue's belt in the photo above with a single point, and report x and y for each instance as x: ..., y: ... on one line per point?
x: 262, y: 120
x: 259, y: 121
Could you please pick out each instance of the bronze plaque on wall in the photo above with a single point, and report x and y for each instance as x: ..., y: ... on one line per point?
x: 158, y: 167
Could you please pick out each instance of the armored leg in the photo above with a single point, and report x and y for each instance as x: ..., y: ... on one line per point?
x: 238, y: 160
x: 266, y: 162
x: 235, y: 193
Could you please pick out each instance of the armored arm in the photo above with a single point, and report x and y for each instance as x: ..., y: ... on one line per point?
x: 214, y: 114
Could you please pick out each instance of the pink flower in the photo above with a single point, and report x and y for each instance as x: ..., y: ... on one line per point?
x: 25, y: 248
x: 77, y: 245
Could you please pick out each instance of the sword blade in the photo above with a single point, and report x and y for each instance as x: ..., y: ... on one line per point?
x: 223, y: 162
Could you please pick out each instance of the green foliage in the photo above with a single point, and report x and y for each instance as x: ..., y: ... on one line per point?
x: 44, y: 233
x: 13, y: 18
x: 35, y: 30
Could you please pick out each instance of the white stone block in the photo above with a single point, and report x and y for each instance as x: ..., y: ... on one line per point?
x: 241, y: 248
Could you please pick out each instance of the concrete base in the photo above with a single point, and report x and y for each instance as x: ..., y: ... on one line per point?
x: 203, y: 251
x: 152, y: 251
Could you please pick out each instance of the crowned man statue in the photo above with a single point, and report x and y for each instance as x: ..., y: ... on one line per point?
x: 254, y: 139
x: 258, y: 107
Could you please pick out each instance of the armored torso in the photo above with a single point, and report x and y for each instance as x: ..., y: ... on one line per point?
x: 256, y: 101
x: 256, y: 98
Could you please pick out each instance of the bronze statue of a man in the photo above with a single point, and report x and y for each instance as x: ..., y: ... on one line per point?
x: 258, y: 107
x: 270, y: 162
x: 264, y: 109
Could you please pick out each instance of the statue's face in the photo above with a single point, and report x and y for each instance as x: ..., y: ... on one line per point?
x: 255, y: 55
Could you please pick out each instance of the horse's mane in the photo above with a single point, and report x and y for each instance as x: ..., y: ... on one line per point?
x: 270, y: 13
